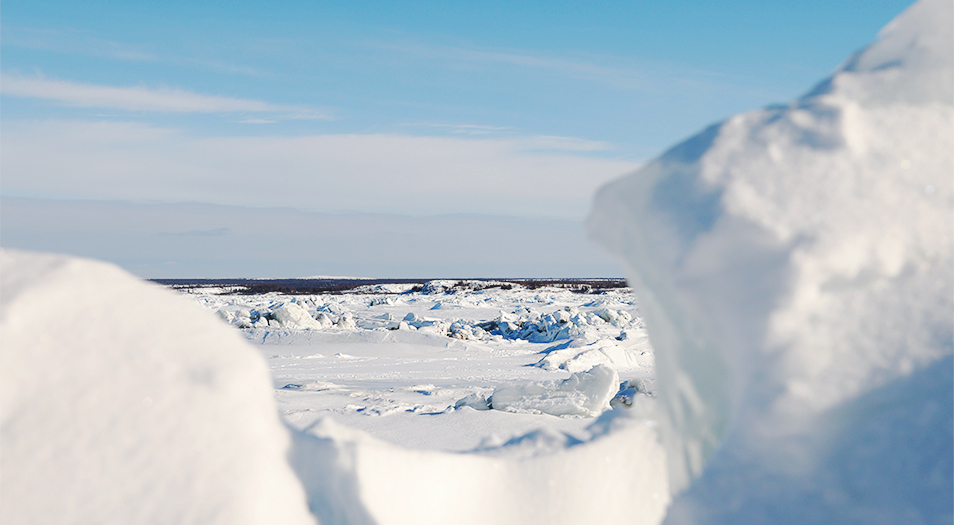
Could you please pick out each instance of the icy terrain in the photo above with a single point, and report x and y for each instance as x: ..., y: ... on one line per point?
x: 404, y: 406
x: 794, y: 265
x: 449, y: 353
x: 795, y: 272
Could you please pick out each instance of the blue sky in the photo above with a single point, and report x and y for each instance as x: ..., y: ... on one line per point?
x: 413, y: 109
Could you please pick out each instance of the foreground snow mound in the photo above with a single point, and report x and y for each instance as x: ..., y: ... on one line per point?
x: 616, y: 475
x: 582, y: 394
x: 794, y: 266
x: 122, y: 403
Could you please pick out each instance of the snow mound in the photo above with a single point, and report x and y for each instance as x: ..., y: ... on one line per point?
x: 443, y: 286
x: 538, y: 478
x: 123, y: 403
x: 569, y: 323
x: 581, y: 354
x: 582, y: 394
x: 794, y: 268
x: 294, y: 316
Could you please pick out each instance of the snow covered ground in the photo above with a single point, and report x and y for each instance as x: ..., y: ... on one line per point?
x: 456, y: 366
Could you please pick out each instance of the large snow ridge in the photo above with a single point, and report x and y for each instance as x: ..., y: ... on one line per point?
x: 794, y: 266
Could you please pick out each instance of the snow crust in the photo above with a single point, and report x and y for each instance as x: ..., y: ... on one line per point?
x: 794, y: 267
x: 121, y: 403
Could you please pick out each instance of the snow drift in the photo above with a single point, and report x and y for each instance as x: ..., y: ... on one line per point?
x: 617, y: 475
x: 122, y: 403
x: 794, y: 266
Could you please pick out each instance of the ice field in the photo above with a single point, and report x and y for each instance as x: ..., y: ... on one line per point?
x: 422, y: 368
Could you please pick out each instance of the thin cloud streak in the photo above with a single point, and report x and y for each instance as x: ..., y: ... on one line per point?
x: 529, y: 176
x: 77, y: 94
x: 624, y: 78
x: 462, y: 129
x: 626, y: 74
x: 72, y: 42
x: 523, y: 142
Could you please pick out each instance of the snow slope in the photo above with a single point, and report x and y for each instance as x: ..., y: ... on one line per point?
x: 794, y: 266
x: 121, y: 403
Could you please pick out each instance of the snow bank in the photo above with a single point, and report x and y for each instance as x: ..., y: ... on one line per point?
x: 122, y: 403
x: 794, y: 267
x: 582, y: 394
x: 615, y: 475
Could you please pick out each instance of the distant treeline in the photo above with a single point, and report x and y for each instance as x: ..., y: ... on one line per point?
x: 339, y: 286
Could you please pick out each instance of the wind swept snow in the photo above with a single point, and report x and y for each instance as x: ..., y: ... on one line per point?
x: 794, y: 266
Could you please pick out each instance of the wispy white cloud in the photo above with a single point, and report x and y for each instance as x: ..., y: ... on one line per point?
x: 78, y: 94
x: 381, y: 173
x: 521, y: 141
x: 75, y: 42
x: 461, y: 129
x: 624, y: 73
x: 617, y: 76
x: 257, y: 121
x: 554, y: 143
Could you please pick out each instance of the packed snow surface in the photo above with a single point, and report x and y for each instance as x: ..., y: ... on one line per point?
x: 794, y: 266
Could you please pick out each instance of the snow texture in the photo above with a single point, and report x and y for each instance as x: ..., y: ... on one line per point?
x: 543, y: 477
x: 794, y: 267
x: 122, y: 403
x: 582, y: 394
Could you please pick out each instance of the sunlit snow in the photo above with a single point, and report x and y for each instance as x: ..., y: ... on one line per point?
x: 785, y: 355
